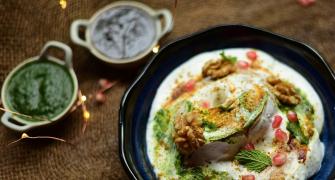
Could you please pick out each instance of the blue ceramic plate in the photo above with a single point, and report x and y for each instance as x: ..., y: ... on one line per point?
x: 136, y: 103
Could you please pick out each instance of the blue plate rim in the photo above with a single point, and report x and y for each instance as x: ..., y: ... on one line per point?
x: 122, y: 149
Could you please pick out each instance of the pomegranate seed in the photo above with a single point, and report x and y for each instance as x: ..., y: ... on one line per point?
x: 302, y: 154
x: 279, y: 159
x: 276, y: 121
x: 252, y: 55
x: 205, y: 104
x: 249, y: 146
x: 280, y: 135
x: 100, y: 97
x: 189, y: 85
x: 306, y: 2
x: 292, y: 116
x: 248, y: 177
x: 243, y: 64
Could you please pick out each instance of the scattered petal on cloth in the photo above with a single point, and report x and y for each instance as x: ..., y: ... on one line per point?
x: 100, y: 97
x: 306, y: 3
x: 103, y: 83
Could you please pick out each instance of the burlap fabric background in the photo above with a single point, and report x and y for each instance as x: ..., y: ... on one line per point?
x: 25, y: 25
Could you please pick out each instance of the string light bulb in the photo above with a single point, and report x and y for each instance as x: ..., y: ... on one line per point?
x: 83, y: 98
x: 155, y: 49
x: 86, y: 115
x: 24, y: 135
x: 62, y: 4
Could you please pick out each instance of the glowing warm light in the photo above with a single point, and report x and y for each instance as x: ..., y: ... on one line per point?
x: 86, y: 115
x: 24, y: 135
x: 62, y: 4
x: 83, y: 98
x: 155, y: 49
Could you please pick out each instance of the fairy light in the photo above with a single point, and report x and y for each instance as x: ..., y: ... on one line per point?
x: 26, y: 136
x: 62, y: 4
x: 83, y: 98
x: 155, y: 49
x: 86, y: 115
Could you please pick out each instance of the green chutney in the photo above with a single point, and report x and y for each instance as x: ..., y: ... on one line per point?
x: 40, y: 88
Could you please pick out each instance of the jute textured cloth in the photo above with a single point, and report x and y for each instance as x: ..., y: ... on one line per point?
x: 26, y: 25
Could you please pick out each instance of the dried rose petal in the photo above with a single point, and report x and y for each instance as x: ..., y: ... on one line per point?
x: 100, y: 97
x: 306, y: 2
x: 104, y: 82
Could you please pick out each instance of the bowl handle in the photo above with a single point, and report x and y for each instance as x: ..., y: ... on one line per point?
x: 168, y: 21
x: 55, y: 44
x: 74, y: 32
x: 5, y: 120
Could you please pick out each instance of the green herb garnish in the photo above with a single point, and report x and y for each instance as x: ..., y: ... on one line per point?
x: 231, y: 59
x: 294, y: 128
x: 189, y: 106
x: 198, y: 173
x: 305, y: 113
x: 161, y: 123
x: 253, y: 160
x: 209, y: 126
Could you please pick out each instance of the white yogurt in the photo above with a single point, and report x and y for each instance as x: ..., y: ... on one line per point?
x: 193, y: 68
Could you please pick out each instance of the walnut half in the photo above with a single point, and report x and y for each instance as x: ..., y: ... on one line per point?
x: 188, y: 134
x: 284, y: 91
x: 216, y: 69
